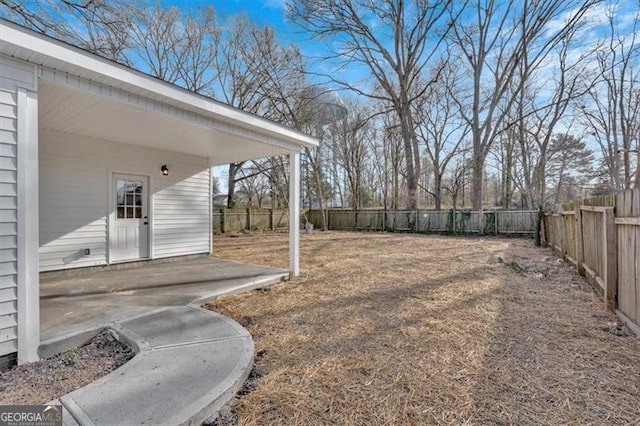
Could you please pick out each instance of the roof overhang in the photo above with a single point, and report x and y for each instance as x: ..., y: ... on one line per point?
x: 82, y: 93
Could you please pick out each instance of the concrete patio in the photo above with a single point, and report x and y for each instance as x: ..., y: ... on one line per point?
x: 189, y: 361
x: 77, y: 302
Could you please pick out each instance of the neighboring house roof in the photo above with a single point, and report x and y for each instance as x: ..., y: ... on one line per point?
x: 111, y: 101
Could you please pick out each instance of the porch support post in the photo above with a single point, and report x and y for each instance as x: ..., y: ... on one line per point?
x: 28, y: 304
x: 210, y: 210
x: 294, y: 214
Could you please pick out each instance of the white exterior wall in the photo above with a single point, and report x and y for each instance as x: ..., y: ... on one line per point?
x: 15, y: 78
x: 75, y: 176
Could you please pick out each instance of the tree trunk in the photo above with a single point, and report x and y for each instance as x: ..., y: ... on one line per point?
x: 396, y: 185
x: 437, y: 182
x: 507, y: 179
x: 231, y: 184
x: 476, y: 184
x: 412, y: 181
x: 318, y: 184
x: 323, y: 212
x: 543, y: 181
x: 637, y: 183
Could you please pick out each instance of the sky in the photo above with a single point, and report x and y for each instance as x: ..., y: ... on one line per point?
x: 271, y: 12
x: 260, y: 11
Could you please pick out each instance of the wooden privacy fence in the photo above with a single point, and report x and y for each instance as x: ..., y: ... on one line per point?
x: 628, y: 247
x: 602, y: 238
x: 237, y: 220
x: 452, y: 221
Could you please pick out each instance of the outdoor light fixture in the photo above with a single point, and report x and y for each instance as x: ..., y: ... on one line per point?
x: 165, y: 170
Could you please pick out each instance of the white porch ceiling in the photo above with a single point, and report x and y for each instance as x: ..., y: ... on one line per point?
x: 68, y: 110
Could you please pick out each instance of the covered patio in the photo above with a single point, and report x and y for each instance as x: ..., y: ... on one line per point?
x: 73, y: 305
x: 104, y: 165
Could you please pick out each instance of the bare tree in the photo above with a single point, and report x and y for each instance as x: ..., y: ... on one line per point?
x: 274, y: 169
x: 541, y: 109
x: 504, y: 152
x: 198, y: 50
x: 386, y: 149
x: 392, y: 170
x: 454, y: 182
x: 156, y: 33
x: 254, y: 188
x: 502, y: 47
x: 441, y: 128
x: 99, y: 26
x: 394, y: 41
x: 351, y: 142
x: 255, y: 73
x: 612, y: 110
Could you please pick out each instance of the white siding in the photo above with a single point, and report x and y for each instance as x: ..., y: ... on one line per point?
x: 12, y: 75
x: 74, y: 201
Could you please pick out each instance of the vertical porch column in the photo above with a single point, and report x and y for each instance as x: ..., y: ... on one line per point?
x: 28, y: 228
x: 294, y: 214
x: 210, y: 210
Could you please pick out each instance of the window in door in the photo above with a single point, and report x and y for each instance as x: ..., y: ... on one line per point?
x: 129, y: 199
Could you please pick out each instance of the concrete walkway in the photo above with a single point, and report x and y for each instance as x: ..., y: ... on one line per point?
x: 190, y: 361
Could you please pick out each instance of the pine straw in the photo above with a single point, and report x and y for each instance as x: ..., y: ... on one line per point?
x: 50, y: 378
x: 413, y: 329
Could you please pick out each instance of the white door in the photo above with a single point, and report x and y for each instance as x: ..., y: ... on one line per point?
x: 129, y: 232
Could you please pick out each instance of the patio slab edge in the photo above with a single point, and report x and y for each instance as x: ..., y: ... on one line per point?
x: 265, y: 281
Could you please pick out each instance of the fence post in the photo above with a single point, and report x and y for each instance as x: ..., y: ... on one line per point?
x: 563, y: 234
x: 249, y: 218
x: 610, y: 243
x: 579, y: 242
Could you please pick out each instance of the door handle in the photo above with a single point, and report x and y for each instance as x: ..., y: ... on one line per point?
x: 146, y: 221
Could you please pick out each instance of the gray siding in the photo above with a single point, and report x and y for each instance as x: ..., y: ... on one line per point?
x: 74, y: 200
x: 12, y: 75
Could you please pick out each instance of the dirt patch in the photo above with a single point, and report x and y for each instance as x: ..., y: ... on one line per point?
x: 415, y: 329
x: 50, y: 378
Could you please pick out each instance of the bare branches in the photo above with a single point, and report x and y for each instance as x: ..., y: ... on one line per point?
x: 503, y: 47
x: 99, y: 26
x: 611, y: 111
x: 392, y: 41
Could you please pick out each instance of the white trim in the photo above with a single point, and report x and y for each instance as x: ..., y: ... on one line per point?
x: 150, y: 200
x: 28, y: 68
x: 28, y: 228
x: 111, y: 209
x: 210, y: 212
x: 294, y: 214
x: 109, y: 216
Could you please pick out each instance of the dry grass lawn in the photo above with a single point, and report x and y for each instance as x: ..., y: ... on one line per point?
x: 414, y: 329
